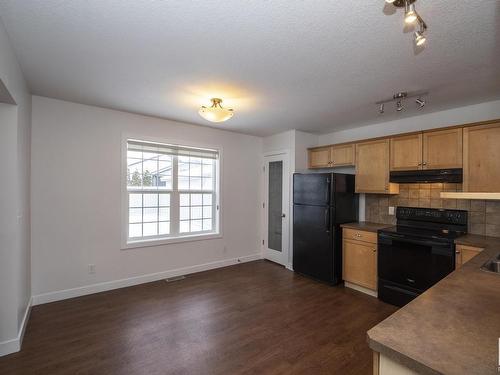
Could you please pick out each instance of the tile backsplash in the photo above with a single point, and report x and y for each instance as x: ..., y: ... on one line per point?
x: 484, y: 216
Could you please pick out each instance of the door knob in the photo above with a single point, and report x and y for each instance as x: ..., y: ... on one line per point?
x: 283, y: 215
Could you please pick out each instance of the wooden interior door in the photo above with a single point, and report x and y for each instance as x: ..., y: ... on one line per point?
x: 320, y: 157
x: 372, y: 167
x: 360, y: 263
x: 481, y: 158
x: 343, y: 155
x: 406, y: 152
x: 442, y: 149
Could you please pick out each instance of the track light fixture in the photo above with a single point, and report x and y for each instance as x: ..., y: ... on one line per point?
x: 400, y: 97
x: 411, y: 16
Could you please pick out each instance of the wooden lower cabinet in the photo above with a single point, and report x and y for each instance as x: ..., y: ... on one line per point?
x: 359, y: 265
x: 464, y: 253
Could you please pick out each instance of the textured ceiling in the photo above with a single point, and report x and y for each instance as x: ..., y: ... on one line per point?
x: 316, y: 65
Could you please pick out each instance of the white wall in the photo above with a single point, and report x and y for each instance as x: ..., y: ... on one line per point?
x: 457, y: 116
x: 15, y: 130
x: 76, y: 197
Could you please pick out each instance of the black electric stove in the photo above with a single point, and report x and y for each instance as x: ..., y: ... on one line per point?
x: 417, y: 252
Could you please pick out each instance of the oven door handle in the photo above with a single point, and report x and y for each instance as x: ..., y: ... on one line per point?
x: 412, y: 241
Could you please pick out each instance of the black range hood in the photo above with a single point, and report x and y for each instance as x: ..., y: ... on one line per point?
x: 427, y: 175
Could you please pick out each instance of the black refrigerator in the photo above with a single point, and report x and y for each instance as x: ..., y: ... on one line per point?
x: 321, y: 202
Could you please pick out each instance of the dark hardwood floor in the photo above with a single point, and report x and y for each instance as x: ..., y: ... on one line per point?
x: 253, y: 318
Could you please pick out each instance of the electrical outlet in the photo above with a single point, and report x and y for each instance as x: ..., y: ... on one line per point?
x: 391, y: 210
x: 91, y: 268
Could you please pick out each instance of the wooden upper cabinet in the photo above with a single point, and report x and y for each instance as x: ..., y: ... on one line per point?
x: 406, y: 152
x: 343, y: 155
x: 372, y: 168
x: 481, y: 158
x: 320, y: 157
x: 332, y: 156
x: 442, y: 149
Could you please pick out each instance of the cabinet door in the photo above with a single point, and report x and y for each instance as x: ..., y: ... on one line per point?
x: 406, y: 152
x: 372, y: 168
x: 320, y: 157
x: 443, y: 149
x: 343, y: 155
x: 482, y: 158
x: 360, y: 263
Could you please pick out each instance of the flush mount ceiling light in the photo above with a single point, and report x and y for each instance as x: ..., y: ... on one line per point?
x: 411, y: 16
x: 216, y: 113
x: 400, y: 97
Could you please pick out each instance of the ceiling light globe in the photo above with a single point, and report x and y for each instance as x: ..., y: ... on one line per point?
x: 389, y: 1
x: 216, y: 113
x: 420, y: 39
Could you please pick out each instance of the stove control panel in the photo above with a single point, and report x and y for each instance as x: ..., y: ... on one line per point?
x: 458, y: 217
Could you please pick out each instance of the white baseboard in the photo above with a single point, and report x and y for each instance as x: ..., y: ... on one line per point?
x: 14, y: 345
x: 123, y: 283
x: 360, y: 288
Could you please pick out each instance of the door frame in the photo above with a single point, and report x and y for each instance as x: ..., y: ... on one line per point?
x: 273, y: 255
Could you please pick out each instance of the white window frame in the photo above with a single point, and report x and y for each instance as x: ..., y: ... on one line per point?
x: 126, y: 243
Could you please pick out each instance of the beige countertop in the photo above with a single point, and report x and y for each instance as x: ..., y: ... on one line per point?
x: 366, y: 226
x: 452, y: 328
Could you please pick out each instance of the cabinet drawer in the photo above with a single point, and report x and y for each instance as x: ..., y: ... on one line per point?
x: 360, y: 235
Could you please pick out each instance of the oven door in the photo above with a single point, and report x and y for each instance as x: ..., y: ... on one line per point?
x: 414, y: 263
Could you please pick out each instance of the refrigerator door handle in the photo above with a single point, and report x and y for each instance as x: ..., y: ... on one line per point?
x: 327, y: 219
x: 327, y: 198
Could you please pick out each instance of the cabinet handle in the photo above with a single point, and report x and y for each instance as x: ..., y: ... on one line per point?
x: 457, y: 251
x: 374, y: 250
x: 424, y: 163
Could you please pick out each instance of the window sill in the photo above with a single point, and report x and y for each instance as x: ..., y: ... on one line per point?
x: 167, y: 241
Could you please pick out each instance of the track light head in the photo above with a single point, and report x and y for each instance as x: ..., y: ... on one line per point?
x: 399, y: 106
x: 420, y: 102
x: 381, y: 108
x: 410, y: 13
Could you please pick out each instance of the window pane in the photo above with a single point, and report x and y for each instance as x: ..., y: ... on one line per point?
x: 195, y: 160
x: 207, y: 224
x: 207, y: 184
x: 150, y: 200
x: 196, y: 200
x: 207, y: 170
x: 135, y: 230
x: 164, y: 227
x: 135, y: 200
x: 207, y: 212
x: 195, y: 170
x: 195, y: 183
x: 196, y: 212
x: 164, y: 182
x: 150, y: 214
x: 184, y: 213
x: 183, y: 169
x: 150, y: 229
x: 207, y: 199
x: 135, y: 215
x: 183, y: 183
x: 164, y: 214
x: 184, y: 226
x: 184, y: 199
x: 164, y: 199
x: 196, y: 225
